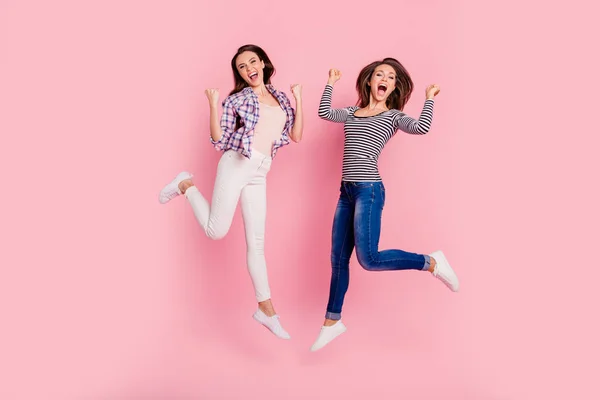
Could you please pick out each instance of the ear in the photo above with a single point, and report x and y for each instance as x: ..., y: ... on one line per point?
x: 262, y: 63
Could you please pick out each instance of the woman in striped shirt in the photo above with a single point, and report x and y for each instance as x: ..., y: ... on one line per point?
x: 384, y: 88
x: 249, y: 140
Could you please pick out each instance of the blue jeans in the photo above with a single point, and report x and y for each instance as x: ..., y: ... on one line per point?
x: 357, y: 223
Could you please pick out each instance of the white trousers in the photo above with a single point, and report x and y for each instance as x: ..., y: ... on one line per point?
x: 238, y: 176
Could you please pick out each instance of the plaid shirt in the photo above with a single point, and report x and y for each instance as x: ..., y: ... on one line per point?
x: 245, y: 105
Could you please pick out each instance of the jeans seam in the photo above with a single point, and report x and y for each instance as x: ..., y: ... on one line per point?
x: 370, y: 257
x: 338, y: 263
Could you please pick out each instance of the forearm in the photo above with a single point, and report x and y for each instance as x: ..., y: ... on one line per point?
x: 298, y: 127
x: 215, y: 124
x: 325, y: 110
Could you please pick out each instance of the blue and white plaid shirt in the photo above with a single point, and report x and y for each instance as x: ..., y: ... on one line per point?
x: 245, y: 104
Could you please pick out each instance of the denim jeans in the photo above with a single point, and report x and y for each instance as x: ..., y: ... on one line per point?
x: 357, y: 223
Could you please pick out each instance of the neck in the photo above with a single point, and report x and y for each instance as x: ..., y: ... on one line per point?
x: 261, y: 90
x: 376, y: 105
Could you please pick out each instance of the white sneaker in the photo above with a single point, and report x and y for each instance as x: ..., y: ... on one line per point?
x: 443, y: 271
x: 271, y: 323
x: 171, y: 191
x: 327, y: 334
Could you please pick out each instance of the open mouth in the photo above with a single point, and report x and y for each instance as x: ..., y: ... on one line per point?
x: 381, y: 89
x: 253, y: 76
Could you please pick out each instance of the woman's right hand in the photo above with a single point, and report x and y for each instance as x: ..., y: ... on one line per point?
x: 213, y: 96
x: 334, y: 76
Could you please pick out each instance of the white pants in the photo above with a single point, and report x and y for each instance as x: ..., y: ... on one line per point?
x: 239, y: 176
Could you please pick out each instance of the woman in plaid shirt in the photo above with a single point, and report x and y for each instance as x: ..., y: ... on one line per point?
x: 257, y: 121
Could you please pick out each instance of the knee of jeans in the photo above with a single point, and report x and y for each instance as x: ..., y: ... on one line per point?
x: 255, y: 251
x: 215, y: 234
x: 255, y: 245
x: 340, y: 262
x: 365, y: 261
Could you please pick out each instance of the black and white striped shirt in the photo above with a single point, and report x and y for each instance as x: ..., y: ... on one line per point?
x: 366, y: 136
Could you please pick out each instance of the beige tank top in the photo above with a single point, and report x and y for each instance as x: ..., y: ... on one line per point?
x: 269, y: 128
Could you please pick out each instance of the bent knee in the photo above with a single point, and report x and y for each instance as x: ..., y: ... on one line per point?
x: 216, y: 234
x: 367, y: 263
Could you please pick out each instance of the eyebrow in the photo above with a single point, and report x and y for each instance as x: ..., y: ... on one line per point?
x: 253, y: 58
x: 383, y: 72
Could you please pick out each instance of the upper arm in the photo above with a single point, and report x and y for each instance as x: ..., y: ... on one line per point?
x: 287, y: 104
x: 227, y: 124
x: 335, y: 114
x: 228, y: 118
x: 415, y: 126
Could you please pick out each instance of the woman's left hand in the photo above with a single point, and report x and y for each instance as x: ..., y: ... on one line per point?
x: 432, y: 91
x: 296, y: 90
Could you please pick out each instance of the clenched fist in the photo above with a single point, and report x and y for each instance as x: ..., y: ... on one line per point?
x: 432, y: 91
x: 213, y: 96
x: 334, y: 76
x: 296, y: 90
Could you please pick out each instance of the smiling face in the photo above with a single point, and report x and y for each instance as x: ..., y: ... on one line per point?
x: 250, y: 68
x: 382, y: 82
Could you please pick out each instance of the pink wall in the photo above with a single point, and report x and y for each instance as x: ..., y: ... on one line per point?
x: 108, y: 295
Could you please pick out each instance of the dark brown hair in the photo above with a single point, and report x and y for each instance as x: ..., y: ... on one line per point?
x: 268, y: 71
x: 402, y: 91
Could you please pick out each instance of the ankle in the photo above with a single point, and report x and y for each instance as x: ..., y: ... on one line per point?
x: 185, y: 185
x: 330, y: 322
x: 267, y: 308
x: 432, y: 264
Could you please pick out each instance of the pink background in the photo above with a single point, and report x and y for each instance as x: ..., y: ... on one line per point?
x: 105, y: 294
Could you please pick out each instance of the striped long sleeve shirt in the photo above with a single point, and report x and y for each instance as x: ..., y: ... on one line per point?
x: 365, y: 137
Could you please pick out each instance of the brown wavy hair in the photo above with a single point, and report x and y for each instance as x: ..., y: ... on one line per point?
x: 268, y: 71
x: 402, y: 91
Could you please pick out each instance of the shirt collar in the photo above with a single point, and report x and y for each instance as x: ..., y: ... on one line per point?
x: 269, y: 86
